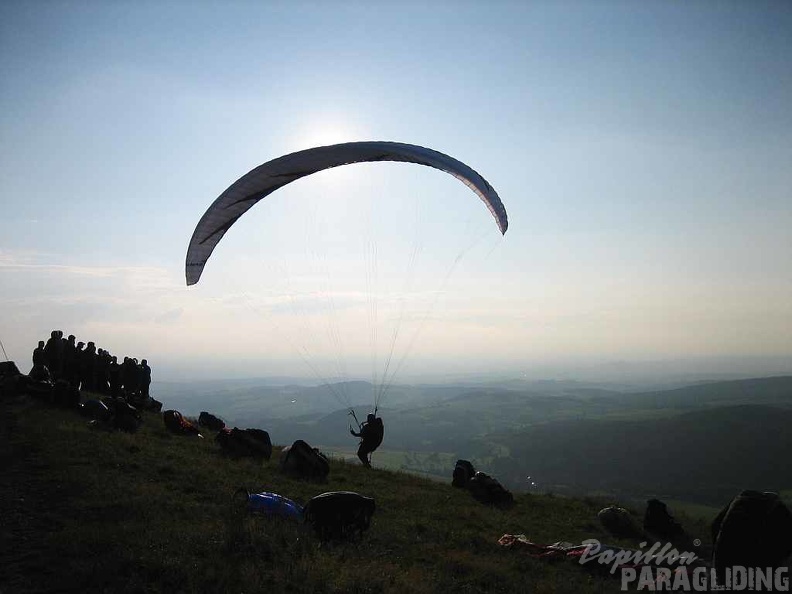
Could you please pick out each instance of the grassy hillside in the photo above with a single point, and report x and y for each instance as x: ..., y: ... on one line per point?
x: 85, y: 510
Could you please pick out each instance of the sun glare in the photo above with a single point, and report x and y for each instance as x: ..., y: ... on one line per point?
x: 324, y: 131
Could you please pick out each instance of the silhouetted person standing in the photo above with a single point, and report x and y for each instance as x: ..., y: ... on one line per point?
x: 71, y: 370
x: 102, y: 371
x: 145, y: 378
x: 52, y: 350
x: 129, y: 373
x: 114, y: 372
x: 39, y: 355
x: 88, y: 367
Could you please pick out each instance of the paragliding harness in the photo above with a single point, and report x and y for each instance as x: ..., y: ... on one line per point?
x: 361, y: 426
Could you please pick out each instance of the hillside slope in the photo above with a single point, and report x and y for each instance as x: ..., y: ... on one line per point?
x: 91, y: 511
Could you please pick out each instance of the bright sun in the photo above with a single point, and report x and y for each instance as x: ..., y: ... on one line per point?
x: 322, y: 131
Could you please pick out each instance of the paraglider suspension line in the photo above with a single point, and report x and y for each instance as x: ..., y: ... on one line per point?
x: 4, y: 351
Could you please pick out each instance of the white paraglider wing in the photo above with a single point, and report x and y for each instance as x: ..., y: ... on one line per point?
x: 266, y: 178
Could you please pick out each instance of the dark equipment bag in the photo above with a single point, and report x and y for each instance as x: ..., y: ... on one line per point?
x: 463, y: 472
x: 301, y: 460
x: 176, y: 423
x: 210, y: 421
x: 255, y: 443
x: 754, y: 530
x: 339, y: 514
x: 488, y: 490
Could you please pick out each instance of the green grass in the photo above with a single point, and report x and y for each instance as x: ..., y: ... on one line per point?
x: 693, y: 510
x: 86, y: 510
x: 434, y: 466
x: 786, y: 496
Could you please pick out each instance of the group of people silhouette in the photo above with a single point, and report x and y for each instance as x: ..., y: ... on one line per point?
x: 87, y: 367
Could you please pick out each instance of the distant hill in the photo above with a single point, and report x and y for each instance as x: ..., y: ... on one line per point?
x: 574, y: 437
x: 705, y: 455
x: 444, y: 418
x: 769, y: 390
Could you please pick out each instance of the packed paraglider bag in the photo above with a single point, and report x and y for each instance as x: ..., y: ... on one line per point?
x: 753, y: 530
x: 619, y: 523
x: 463, y: 472
x: 124, y: 416
x: 12, y: 383
x: 661, y: 525
x: 176, y: 423
x: 258, y: 442
x: 8, y: 369
x: 269, y: 504
x: 66, y: 395
x: 210, y: 421
x: 254, y: 443
x: 339, y: 515
x: 40, y: 383
x: 301, y: 460
x: 488, y: 490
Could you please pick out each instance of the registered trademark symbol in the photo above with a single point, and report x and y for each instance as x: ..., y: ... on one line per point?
x: 696, y: 542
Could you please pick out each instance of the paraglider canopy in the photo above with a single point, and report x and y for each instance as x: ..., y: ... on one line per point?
x: 267, y: 178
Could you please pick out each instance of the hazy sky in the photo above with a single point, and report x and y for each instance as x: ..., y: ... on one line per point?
x: 643, y: 151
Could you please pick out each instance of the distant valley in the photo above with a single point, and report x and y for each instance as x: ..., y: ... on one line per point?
x: 699, y: 443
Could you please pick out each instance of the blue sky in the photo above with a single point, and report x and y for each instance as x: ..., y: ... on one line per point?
x: 642, y: 150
